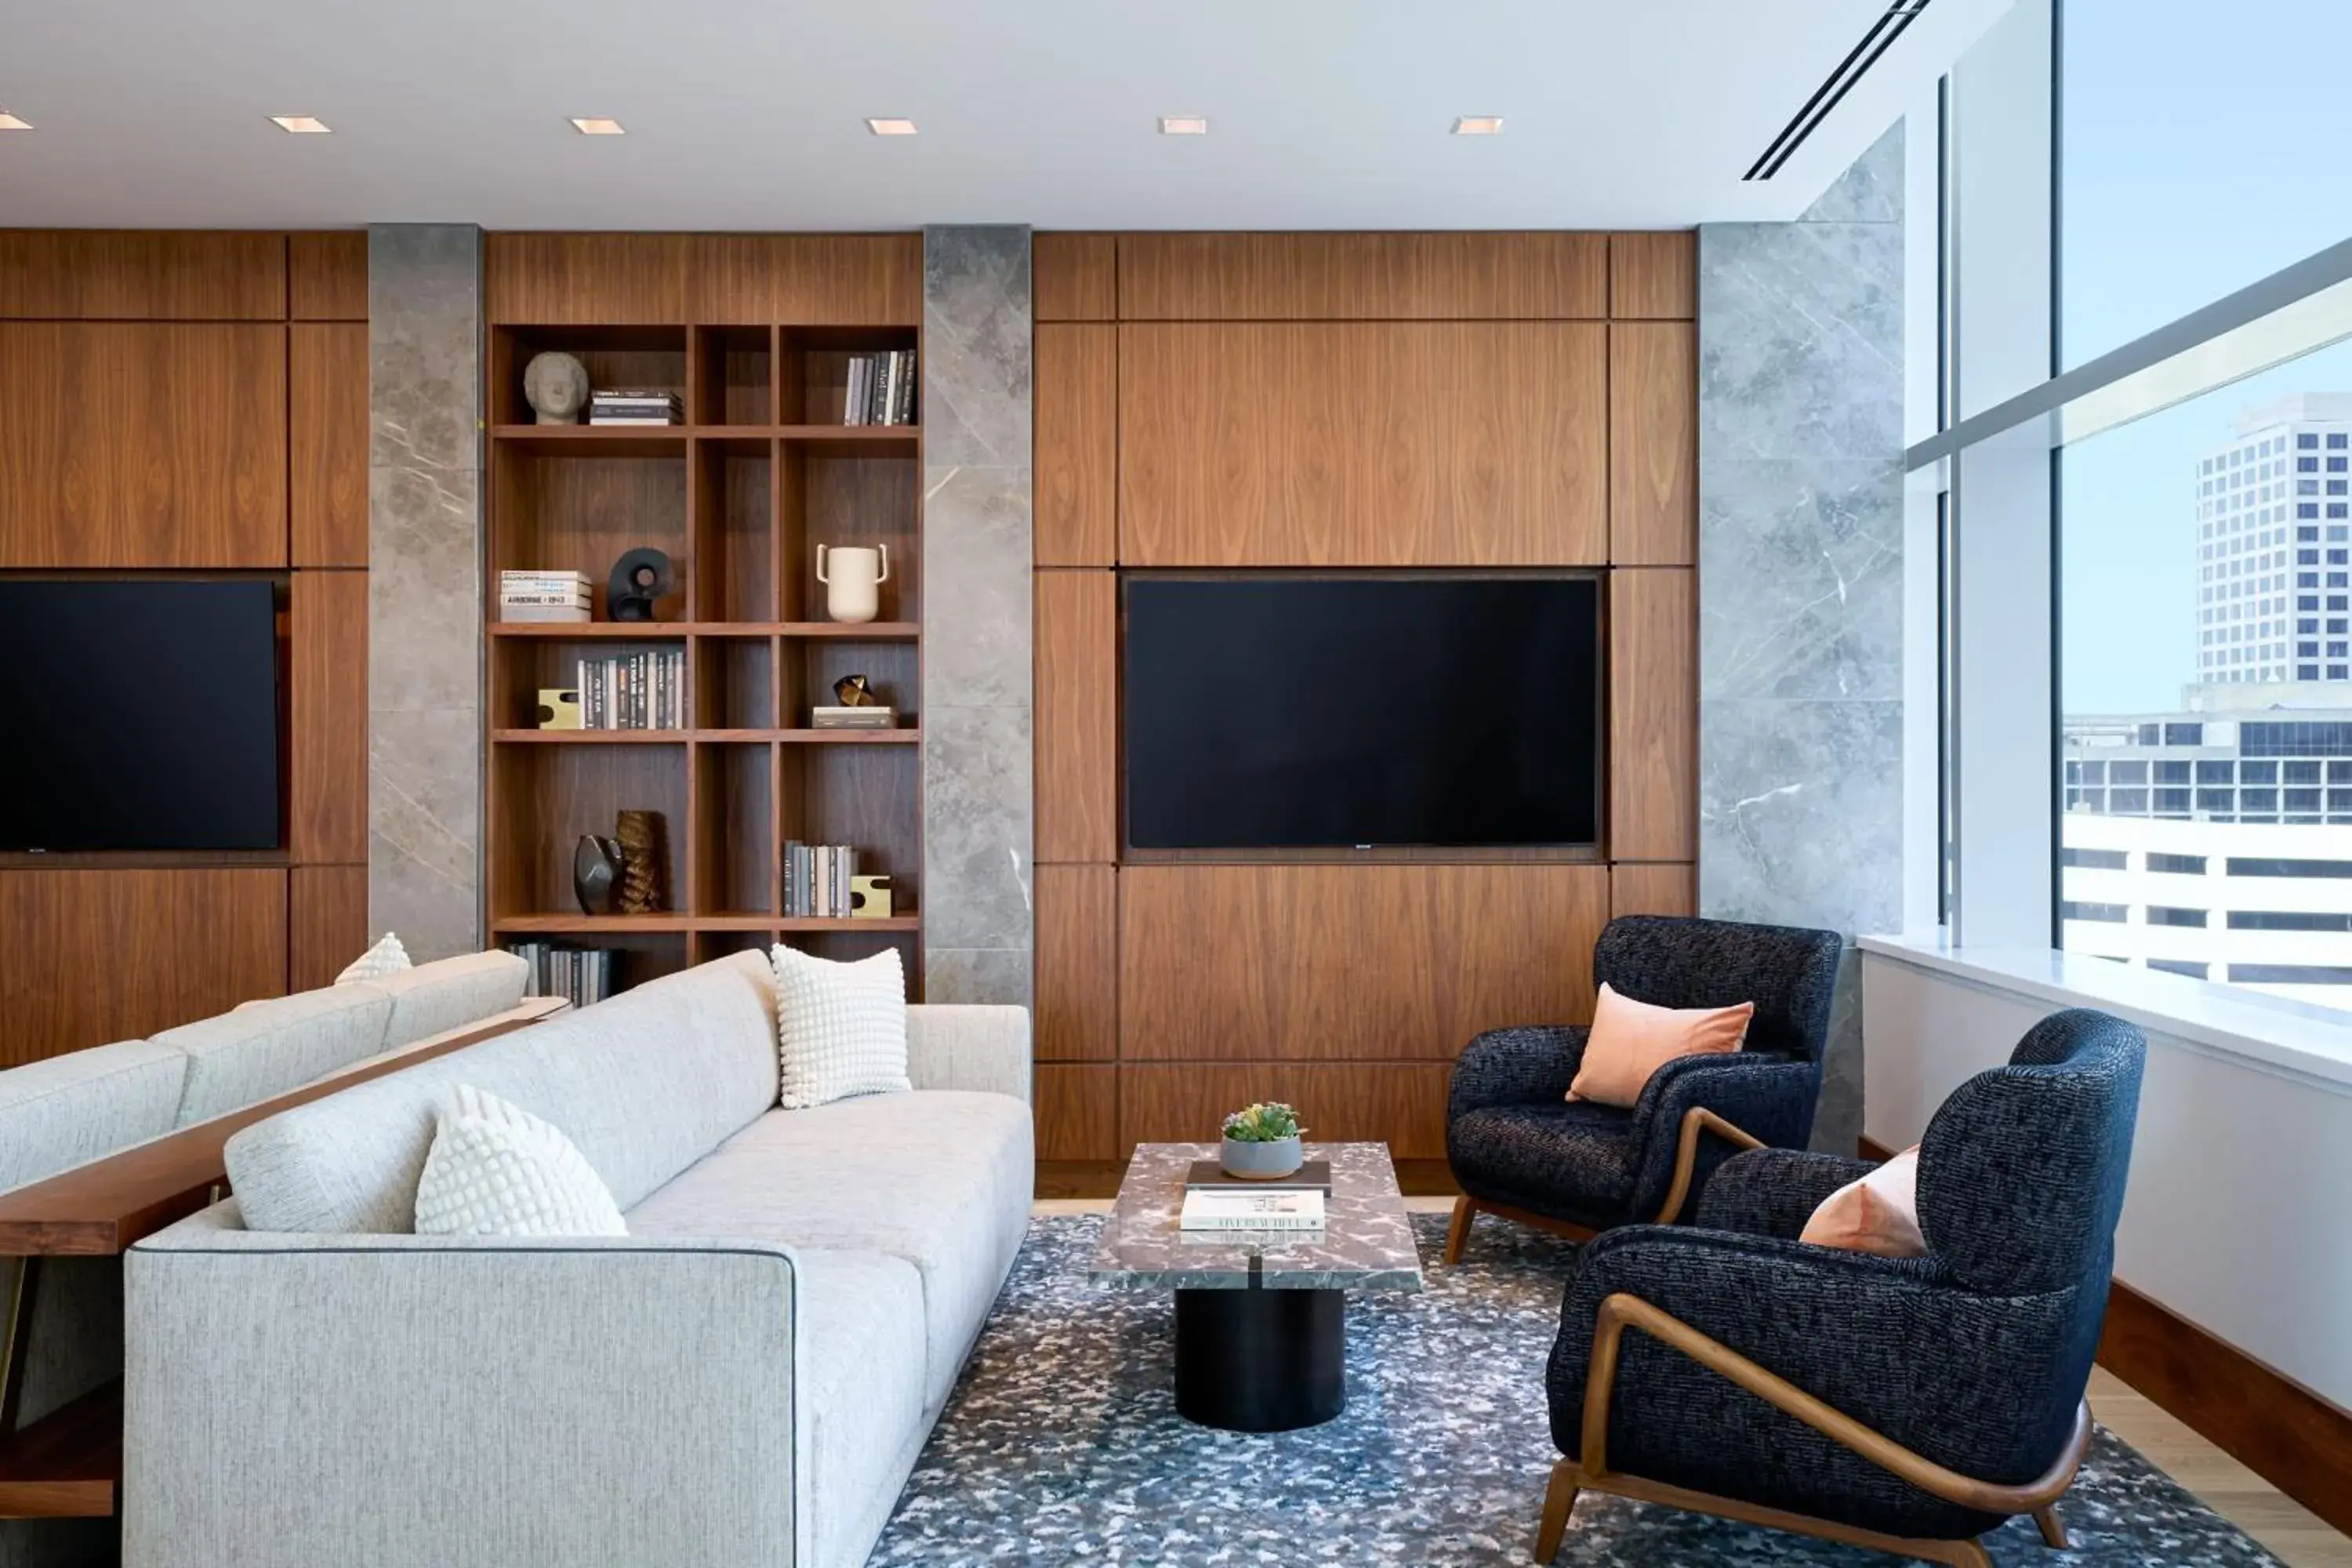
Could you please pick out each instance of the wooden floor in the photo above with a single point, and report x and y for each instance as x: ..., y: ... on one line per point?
x: 2292, y: 1534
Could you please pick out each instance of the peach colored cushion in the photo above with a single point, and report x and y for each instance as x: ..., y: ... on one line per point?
x: 1631, y: 1040
x: 1878, y: 1213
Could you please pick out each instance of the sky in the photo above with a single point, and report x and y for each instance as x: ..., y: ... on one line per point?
x: 2202, y: 148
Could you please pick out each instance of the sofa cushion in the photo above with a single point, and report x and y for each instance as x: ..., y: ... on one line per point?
x: 495, y: 1169
x: 860, y: 1351
x: 448, y: 993
x: 261, y: 1049
x: 68, y: 1111
x: 939, y: 1178
x: 644, y: 1084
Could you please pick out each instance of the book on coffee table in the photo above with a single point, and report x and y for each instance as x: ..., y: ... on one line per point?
x: 1228, y: 1210
x: 1208, y: 1176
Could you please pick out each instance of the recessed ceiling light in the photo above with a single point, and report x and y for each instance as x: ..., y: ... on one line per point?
x: 1478, y: 125
x: 1184, y: 125
x: 889, y: 127
x: 300, y: 124
x: 598, y: 126
x: 10, y: 122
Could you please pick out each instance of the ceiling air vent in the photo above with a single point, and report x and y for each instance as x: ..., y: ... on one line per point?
x: 1875, y: 43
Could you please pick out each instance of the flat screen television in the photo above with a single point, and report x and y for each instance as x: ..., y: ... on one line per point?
x: 1297, y: 711
x: 139, y: 714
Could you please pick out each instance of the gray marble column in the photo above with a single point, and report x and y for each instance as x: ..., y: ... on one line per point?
x: 979, y: 931
x: 424, y: 586
x: 1801, y: 579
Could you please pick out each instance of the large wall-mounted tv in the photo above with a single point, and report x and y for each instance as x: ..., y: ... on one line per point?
x: 1297, y: 711
x: 139, y: 714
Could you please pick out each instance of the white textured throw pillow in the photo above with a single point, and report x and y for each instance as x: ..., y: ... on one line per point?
x: 386, y: 957
x: 497, y: 1170
x: 841, y: 1028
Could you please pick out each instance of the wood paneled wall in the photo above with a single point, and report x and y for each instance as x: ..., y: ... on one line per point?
x: 1389, y: 400
x: 197, y: 402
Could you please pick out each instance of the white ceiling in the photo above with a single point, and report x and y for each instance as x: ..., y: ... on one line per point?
x: 748, y: 114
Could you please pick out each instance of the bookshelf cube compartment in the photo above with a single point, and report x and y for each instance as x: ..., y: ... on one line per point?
x: 710, y: 946
x: 858, y: 497
x: 640, y: 955
x: 869, y: 797
x: 631, y: 357
x: 816, y: 368
x: 735, y: 682
x: 845, y: 944
x: 562, y: 512
x: 736, y: 858
x: 546, y: 796
x: 521, y: 667
x: 812, y: 665
x: 734, y: 376
x: 734, y: 499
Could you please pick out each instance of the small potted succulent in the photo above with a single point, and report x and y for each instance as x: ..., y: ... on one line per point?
x: 1262, y: 1143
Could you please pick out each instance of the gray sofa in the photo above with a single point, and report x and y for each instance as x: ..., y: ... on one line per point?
x: 746, y: 1378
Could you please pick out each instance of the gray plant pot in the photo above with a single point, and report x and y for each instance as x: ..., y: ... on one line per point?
x: 1263, y: 1161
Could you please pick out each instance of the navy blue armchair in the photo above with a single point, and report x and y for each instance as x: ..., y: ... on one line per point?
x: 1520, y: 1149
x: 1909, y: 1404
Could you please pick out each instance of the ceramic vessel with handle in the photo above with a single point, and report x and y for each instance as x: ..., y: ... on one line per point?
x: 853, y: 577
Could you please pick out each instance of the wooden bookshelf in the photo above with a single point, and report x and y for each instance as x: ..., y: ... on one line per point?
x: 738, y: 497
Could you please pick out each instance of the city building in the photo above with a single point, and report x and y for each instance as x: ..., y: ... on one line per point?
x: 2274, y: 535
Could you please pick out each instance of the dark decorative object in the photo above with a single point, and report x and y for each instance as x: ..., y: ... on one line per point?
x: 1977, y: 1354
x: 853, y: 692
x: 1520, y: 1148
x: 644, y: 853
x: 595, y: 873
x: 638, y: 579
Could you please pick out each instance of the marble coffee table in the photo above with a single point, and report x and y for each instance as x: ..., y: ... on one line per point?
x: 1261, y: 1341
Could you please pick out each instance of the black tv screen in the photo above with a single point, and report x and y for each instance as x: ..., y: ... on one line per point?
x: 142, y: 714
x: 1297, y: 712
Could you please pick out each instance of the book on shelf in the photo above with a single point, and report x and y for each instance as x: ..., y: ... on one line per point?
x: 544, y: 615
x: 634, y: 406
x: 1207, y: 1209
x: 633, y: 690
x: 543, y: 597
x: 1210, y: 1175
x: 880, y: 389
x: 869, y: 718
x: 581, y: 976
x: 816, y: 880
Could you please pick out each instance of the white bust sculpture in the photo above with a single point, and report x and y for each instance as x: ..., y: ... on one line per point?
x: 556, y: 387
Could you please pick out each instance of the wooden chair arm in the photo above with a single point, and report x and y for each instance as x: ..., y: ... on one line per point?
x: 1698, y: 1119
x: 1625, y: 1310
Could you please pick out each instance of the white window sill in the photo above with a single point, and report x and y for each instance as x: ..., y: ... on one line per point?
x: 2293, y: 1037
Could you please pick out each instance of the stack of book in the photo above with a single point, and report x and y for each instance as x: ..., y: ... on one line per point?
x: 635, y: 405
x: 881, y: 389
x: 633, y: 690
x: 816, y: 880
x: 871, y: 717
x: 1238, y: 1208
x: 581, y: 976
x: 542, y: 596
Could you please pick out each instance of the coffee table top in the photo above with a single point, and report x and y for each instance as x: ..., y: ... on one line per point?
x: 1366, y: 1242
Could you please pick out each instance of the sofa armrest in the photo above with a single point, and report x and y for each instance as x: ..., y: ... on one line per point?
x: 472, y: 1403
x: 968, y: 1047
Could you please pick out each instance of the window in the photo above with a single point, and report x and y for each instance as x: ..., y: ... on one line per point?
x: 2107, y: 914
x: 2096, y: 859
x: 2166, y: 915
x: 2180, y: 865
x: 2289, y: 974
x: 2253, y: 865
x: 2191, y: 968
x: 2287, y: 920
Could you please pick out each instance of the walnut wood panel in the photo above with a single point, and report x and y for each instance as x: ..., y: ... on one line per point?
x: 1077, y: 446
x: 720, y: 280
x: 1654, y: 277
x: 327, y: 276
x: 1074, y: 276
x: 327, y: 439
x: 1077, y: 1113
x: 326, y: 924
x: 1652, y: 889
x: 143, y: 444
x: 1653, y: 443
x: 1403, y: 444
x: 1401, y: 1105
x: 1362, y: 276
x: 327, y: 732
x: 103, y: 955
x: 1077, y: 716
x: 1077, y: 963
x: 1302, y: 963
x: 1653, y: 714
x: 142, y: 275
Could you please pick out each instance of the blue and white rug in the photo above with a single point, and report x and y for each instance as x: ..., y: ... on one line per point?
x: 1062, y: 1444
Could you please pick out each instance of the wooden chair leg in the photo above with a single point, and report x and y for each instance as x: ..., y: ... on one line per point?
x: 1559, y: 1497
x: 1465, y: 1208
x: 2054, y: 1528
x: 1971, y: 1554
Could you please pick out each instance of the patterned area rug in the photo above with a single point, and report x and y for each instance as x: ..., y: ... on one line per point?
x: 1062, y: 1444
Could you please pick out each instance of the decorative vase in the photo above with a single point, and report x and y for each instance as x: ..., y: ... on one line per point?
x: 556, y: 387
x: 853, y: 577
x: 643, y: 852
x: 595, y: 873
x: 1262, y: 1162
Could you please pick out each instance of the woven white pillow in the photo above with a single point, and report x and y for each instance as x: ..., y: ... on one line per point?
x: 841, y: 1028
x: 386, y: 957
x: 497, y: 1170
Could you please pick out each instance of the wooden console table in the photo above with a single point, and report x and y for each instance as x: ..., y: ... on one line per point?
x: 69, y: 1464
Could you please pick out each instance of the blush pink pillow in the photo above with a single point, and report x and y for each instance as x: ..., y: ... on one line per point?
x: 1631, y: 1040
x: 1878, y: 1213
